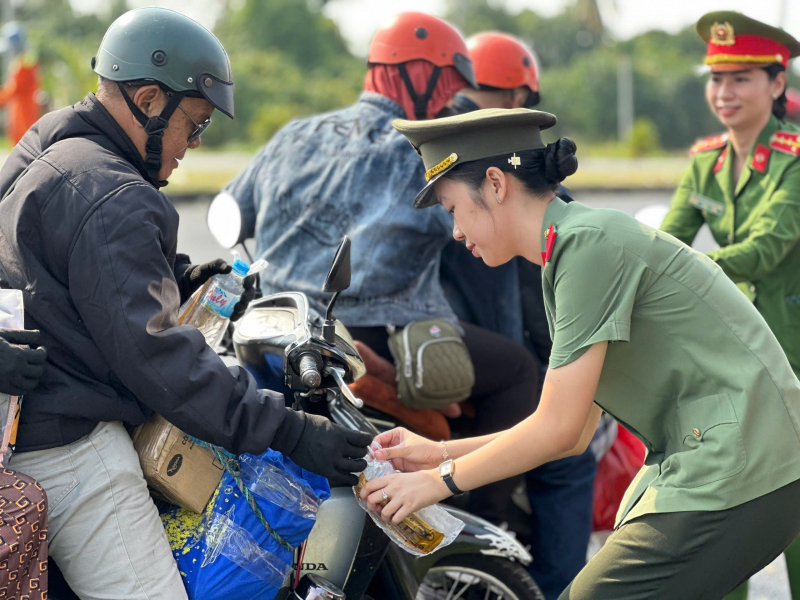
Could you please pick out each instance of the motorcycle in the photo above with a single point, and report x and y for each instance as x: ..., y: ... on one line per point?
x: 319, y: 359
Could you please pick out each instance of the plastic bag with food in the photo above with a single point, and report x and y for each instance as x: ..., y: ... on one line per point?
x: 420, y: 533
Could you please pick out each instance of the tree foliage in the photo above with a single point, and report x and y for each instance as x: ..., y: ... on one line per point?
x: 578, y: 81
x: 290, y: 60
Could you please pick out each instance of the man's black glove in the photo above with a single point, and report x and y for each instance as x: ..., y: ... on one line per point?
x: 330, y: 450
x: 248, y: 295
x: 20, y: 368
x: 191, y: 277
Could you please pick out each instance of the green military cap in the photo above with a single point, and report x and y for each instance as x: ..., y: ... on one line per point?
x: 736, y: 41
x: 445, y: 143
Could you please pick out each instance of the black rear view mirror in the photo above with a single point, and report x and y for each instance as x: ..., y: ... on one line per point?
x: 337, y: 281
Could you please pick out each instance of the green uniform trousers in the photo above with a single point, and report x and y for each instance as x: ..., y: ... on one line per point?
x: 698, y: 555
x: 792, y: 568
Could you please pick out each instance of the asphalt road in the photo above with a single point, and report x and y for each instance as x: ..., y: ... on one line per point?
x: 195, y: 240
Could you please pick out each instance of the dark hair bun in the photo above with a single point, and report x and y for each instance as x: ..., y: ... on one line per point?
x: 559, y: 160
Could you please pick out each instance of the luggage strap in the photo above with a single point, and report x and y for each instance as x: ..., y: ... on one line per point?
x: 231, y: 465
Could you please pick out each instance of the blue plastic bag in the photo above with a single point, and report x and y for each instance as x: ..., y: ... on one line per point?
x: 226, y: 552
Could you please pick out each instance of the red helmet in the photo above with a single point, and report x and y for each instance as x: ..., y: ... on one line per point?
x: 502, y: 61
x: 418, y: 36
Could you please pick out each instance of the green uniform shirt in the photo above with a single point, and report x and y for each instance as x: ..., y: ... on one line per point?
x: 694, y: 371
x: 756, y: 221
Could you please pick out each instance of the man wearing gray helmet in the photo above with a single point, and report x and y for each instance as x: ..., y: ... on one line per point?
x: 91, y: 241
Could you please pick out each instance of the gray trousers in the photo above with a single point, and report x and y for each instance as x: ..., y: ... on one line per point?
x: 105, y: 532
x: 699, y: 555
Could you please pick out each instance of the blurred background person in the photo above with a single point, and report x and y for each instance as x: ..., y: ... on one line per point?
x: 20, y: 92
x: 745, y: 183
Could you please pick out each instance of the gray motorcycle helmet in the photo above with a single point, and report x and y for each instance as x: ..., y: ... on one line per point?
x: 161, y: 46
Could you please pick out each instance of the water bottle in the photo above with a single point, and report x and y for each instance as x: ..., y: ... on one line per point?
x: 212, y: 312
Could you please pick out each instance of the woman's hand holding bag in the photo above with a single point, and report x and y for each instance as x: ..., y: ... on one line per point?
x: 408, y: 451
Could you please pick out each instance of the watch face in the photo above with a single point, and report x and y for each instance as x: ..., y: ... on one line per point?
x: 446, y: 468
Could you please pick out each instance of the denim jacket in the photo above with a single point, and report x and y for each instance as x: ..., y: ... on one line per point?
x: 347, y: 172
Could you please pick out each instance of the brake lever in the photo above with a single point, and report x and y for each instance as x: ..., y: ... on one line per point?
x: 338, y: 376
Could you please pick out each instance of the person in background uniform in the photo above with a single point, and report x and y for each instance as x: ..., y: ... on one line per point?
x: 19, y: 94
x: 745, y: 183
x: 507, y: 299
x: 643, y: 327
x: 23, y: 502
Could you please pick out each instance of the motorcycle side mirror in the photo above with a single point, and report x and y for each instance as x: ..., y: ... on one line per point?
x: 337, y: 281
x: 224, y: 220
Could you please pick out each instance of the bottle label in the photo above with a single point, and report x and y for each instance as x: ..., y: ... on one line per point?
x: 220, y: 301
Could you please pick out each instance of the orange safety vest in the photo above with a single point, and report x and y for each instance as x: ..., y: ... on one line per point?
x: 18, y: 97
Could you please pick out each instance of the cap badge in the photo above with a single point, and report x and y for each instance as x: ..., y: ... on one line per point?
x: 430, y: 173
x: 722, y: 34
x: 514, y: 160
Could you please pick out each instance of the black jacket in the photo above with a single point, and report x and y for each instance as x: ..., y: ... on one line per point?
x: 92, y: 244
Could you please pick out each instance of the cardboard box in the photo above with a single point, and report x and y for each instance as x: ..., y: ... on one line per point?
x: 175, y: 468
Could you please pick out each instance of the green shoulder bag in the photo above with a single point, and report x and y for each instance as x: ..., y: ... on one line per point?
x: 434, y: 367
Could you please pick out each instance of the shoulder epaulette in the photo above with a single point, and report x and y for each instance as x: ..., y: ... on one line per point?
x: 705, y: 144
x: 785, y: 141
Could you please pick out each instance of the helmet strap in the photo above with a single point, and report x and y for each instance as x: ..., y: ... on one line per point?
x: 154, y: 127
x: 420, y: 101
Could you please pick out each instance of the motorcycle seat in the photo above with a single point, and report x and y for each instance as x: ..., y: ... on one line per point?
x: 382, y: 396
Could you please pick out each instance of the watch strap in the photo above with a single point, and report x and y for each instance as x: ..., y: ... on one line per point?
x: 448, y: 479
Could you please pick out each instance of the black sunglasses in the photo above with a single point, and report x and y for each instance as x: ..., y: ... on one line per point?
x: 199, y: 128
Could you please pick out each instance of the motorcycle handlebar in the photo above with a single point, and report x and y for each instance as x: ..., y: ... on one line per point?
x: 309, y: 371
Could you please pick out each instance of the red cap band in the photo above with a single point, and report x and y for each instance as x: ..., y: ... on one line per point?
x: 748, y: 49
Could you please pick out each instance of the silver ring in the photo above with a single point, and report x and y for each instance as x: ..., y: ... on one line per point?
x: 383, y: 493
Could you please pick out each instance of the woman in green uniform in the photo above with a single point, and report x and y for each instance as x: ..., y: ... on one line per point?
x: 644, y: 328
x: 745, y: 183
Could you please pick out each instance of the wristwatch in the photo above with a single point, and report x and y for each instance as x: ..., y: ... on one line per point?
x: 446, y: 470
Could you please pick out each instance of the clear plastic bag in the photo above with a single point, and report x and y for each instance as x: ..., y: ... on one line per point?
x: 277, y: 486
x: 421, y: 533
x: 230, y: 551
x: 226, y: 538
x: 12, y: 316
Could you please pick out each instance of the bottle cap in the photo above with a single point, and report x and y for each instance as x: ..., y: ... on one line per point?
x: 240, y: 267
